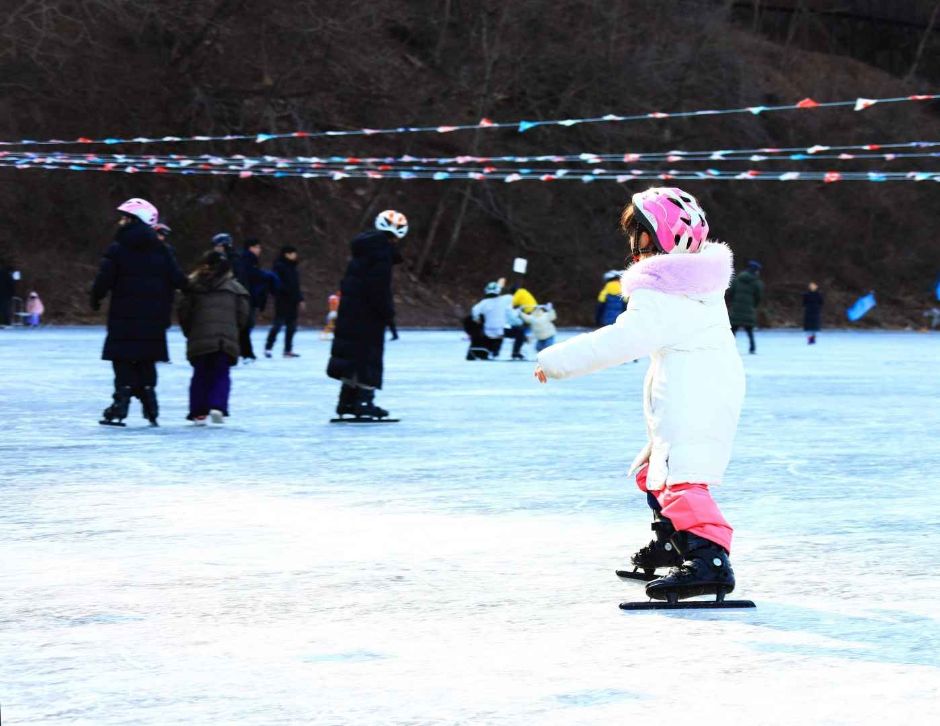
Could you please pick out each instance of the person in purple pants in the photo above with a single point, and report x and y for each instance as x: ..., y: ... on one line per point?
x: 212, y: 313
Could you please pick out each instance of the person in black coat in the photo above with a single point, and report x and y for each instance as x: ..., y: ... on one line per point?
x: 288, y: 300
x: 366, y: 309
x: 812, y: 312
x: 7, y: 288
x: 259, y: 283
x: 141, y: 274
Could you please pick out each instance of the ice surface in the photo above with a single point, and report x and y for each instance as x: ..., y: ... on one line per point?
x: 458, y: 567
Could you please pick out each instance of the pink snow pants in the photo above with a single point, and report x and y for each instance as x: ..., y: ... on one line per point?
x: 691, y: 508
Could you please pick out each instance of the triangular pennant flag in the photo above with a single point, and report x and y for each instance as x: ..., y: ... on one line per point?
x: 860, y: 307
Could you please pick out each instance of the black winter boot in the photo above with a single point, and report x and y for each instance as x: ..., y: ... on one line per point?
x: 705, y: 569
x: 148, y: 400
x: 114, y: 414
x: 660, y: 552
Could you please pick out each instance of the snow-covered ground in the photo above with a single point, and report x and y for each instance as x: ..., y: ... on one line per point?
x: 458, y: 567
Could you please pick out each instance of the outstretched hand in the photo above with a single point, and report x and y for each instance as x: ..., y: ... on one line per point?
x: 540, y: 375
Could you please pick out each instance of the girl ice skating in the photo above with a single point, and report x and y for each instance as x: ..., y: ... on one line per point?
x: 212, y: 313
x: 693, y: 390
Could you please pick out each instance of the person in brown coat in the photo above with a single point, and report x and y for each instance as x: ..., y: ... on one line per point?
x: 212, y: 314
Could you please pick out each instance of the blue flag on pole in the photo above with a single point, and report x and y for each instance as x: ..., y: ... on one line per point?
x: 860, y: 307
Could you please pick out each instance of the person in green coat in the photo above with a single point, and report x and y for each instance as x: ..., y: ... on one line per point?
x: 745, y: 295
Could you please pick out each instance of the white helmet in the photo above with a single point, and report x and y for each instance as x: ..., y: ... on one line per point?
x: 611, y: 275
x: 492, y: 288
x: 142, y: 209
x: 392, y: 221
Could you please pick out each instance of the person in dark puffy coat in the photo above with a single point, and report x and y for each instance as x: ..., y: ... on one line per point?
x: 745, y: 295
x: 366, y: 309
x: 141, y: 274
x: 212, y: 313
x: 812, y: 312
x: 288, y: 300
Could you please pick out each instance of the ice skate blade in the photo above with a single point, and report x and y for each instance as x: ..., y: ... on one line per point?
x: 635, y: 575
x: 364, y: 420
x: 687, y: 605
x: 105, y: 422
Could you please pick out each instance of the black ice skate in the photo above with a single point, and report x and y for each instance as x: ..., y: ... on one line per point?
x: 362, y: 408
x: 115, y: 414
x: 705, y: 570
x: 148, y: 401
x: 660, y: 552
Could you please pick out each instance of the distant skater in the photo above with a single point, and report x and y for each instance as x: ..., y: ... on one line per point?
x: 258, y: 282
x: 212, y: 313
x: 332, y: 305
x: 140, y: 273
x: 745, y: 295
x: 365, y: 311
x: 610, y: 302
x: 288, y: 301
x: 490, y: 315
x: 542, y: 323
x: 812, y: 312
x: 692, y: 393
x: 34, y: 310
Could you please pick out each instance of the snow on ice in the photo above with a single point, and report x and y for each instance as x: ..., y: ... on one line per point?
x: 458, y: 567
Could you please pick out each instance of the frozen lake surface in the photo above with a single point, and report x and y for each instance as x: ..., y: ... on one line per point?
x: 458, y: 567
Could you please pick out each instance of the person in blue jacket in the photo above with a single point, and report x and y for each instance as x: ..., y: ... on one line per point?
x: 610, y: 302
x: 258, y: 283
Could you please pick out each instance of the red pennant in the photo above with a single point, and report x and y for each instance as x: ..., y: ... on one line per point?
x: 807, y: 103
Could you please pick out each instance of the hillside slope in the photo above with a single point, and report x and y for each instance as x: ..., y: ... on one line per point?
x: 130, y: 67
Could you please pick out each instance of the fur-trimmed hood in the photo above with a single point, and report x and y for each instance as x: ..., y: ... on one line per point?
x: 702, y: 273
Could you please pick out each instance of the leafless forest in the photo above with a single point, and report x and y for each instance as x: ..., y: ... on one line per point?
x: 93, y: 68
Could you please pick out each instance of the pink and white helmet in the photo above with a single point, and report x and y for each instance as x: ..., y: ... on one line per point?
x: 142, y: 209
x: 673, y: 218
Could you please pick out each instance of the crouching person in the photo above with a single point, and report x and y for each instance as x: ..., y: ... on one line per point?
x: 213, y: 313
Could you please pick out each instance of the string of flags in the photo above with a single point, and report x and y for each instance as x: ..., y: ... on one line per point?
x: 521, y: 126
x: 883, y: 151
x: 485, y: 173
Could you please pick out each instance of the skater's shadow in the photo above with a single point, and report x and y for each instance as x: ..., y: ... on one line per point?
x: 880, y: 635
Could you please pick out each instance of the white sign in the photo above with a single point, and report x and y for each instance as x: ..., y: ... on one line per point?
x: 519, y: 265
x: 16, y: 275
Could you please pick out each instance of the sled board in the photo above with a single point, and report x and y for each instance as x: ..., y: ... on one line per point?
x: 631, y: 575
x: 113, y: 423
x: 687, y: 605
x: 364, y: 420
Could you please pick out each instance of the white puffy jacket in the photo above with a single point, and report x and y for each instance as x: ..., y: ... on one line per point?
x: 542, y: 322
x: 694, y: 387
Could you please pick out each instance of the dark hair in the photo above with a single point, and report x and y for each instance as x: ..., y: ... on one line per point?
x: 626, y: 220
x: 215, y: 263
x: 287, y: 249
x: 252, y: 242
